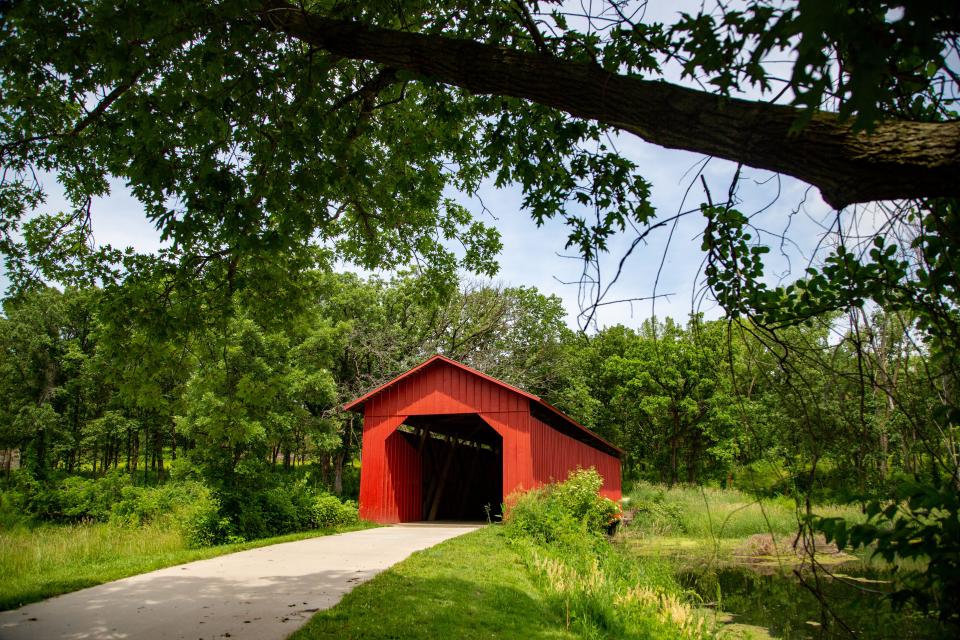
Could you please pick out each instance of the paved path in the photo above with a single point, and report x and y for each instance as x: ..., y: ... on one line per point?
x: 259, y: 594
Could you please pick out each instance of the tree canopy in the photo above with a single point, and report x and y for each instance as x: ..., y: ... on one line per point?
x: 257, y: 126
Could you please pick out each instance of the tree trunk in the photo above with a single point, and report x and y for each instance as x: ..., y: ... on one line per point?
x: 158, y: 452
x: 673, y: 460
x: 325, y: 469
x: 146, y: 454
x: 338, y: 473
x: 693, y: 458
x: 897, y: 160
x: 884, y: 452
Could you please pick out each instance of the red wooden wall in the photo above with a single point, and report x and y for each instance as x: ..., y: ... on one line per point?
x: 533, y: 452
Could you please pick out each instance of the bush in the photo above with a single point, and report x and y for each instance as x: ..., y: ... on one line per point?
x: 269, y: 511
x: 205, y: 517
x: 11, y: 515
x: 203, y: 525
x: 559, y: 511
x: 69, y: 498
x: 580, y: 497
x: 287, y: 508
x: 166, y: 502
x: 82, y: 499
x: 329, y: 512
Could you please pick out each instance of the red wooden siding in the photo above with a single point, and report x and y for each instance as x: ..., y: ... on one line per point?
x: 390, y: 478
x: 534, y: 453
x: 442, y: 388
x: 555, y: 455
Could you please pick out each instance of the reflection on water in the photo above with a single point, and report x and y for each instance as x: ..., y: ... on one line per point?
x: 778, y: 601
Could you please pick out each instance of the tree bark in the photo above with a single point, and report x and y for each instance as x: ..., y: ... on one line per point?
x: 338, y: 473
x: 898, y: 160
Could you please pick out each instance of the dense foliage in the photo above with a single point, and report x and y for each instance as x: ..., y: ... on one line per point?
x: 570, y: 508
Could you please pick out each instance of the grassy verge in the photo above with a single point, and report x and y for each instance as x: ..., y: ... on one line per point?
x: 473, y: 586
x: 47, y: 560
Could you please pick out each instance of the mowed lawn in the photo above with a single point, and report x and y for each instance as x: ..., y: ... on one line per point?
x: 473, y: 586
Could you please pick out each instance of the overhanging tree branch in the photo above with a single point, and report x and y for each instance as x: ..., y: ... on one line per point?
x: 898, y: 160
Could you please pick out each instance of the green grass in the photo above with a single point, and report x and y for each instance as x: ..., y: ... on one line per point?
x: 720, y: 545
x: 47, y: 560
x: 696, y: 525
x: 708, y: 513
x: 473, y: 586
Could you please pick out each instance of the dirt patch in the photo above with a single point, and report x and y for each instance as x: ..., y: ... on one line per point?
x: 764, y: 544
x: 762, y: 550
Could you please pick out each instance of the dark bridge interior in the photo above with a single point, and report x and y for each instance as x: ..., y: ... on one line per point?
x: 461, y: 462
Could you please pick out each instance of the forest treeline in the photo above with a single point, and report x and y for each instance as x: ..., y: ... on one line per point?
x: 91, y: 382
x: 236, y: 393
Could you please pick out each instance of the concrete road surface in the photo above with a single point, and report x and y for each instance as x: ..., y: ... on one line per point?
x: 259, y: 594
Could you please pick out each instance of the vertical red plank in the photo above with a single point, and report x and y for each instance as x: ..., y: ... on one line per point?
x: 555, y: 455
x: 376, y: 491
x: 472, y: 393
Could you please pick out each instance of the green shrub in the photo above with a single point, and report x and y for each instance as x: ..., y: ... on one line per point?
x: 249, y: 511
x: 165, y: 502
x: 68, y: 498
x: 580, y: 497
x: 204, y: 526
x: 563, y: 511
x: 286, y: 508
x: 277, y: 508
x: 11, y: 515
x: 329, y: 512
x: 79, y: 500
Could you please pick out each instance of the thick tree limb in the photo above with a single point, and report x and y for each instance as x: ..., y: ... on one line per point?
x: 897, y: 160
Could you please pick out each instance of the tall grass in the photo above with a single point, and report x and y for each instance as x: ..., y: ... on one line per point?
x: 610, y: 595
x: 47, y: 560
x: 68, y: 548
x: 50, y: 559
x: 601, y: 591
x: 711, y: 513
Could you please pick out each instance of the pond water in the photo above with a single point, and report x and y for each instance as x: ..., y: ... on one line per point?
x: 778, y: 601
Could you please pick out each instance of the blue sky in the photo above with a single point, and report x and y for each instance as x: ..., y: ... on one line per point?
x: 532, y: 256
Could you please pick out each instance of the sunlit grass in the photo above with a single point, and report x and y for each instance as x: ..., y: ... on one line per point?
x: 48, y: 560
x: 711, y: 513
x: 473, y: 586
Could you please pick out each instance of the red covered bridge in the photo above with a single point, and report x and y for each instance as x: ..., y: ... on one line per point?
x: 446, y: 442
